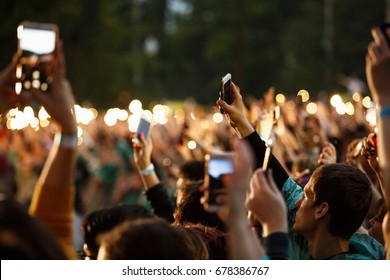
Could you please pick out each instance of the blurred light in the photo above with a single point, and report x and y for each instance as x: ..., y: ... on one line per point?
x: 19, y: 32
x: 44, y: 86
x: 167, y: 162
x: 340, y: 109
x: 349, y: 108
x: 36, y: 75
x: 123, y: 115
x: 305, y: 95
x: 371, y: 116
x: 356, y: 97
x: 110, y: 118
x: 42, y: 114
x: 311, y: 108
x: 191, y: 144
x: 79, y: 131
x: 367, y: 102
x: 28, y: 112
x: 148, y: 114
x: 36, y: 84
x: 336, y: 100
x: 44, y: 122
x: 34, y: 122
x: 13, y: 112
x: 135, y: 106
x: 280, y: 98
x: 18, y: 88
x: 133, y: 122
x: 159, y: 114
x: 18, y: 71
x: 193, y: 116
x: 27, y: 84
x: 217, y: 117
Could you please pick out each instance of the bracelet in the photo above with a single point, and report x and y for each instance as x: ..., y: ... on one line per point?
x: 66, y: 141
x: 384, y: 112
x: 148, y: 170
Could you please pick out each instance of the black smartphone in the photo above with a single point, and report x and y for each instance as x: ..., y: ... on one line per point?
x: 385, y: 27
x: 225, y: 90
x: 143, y: 127
x: 36, y: 46
x: 217, y: 165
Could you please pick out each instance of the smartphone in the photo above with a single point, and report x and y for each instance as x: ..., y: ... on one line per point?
x: 36, y: 46
x: 225, y: 92
x: 217, y: 165
x: 385, y: 27
x: 143, y: 127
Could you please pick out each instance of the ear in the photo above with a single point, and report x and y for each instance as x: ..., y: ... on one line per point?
x: 322, y: 210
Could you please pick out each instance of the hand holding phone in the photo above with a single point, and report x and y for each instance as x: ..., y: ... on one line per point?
x: 35, y: 54
x: 143, y: 127
x: 217, y: 165
x: 225, y: 90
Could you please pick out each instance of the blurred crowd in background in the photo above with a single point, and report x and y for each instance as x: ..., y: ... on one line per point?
x: 105, y: 173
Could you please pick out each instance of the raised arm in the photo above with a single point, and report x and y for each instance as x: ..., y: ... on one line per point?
x: 53, y: 197
x: 235, y: 114
x: 377, y: 71
x: 155, y: 192
x: 243, y: 243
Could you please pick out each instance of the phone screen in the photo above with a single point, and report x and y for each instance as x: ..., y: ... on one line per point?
x: 37, y: 41
x: 143, y: 127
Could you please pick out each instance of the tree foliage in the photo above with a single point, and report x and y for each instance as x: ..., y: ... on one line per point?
x: 152, y: 50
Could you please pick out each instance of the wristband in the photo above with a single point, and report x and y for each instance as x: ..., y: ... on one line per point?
x: 66, y: 141
x: 384, y: 112
x: 148, y: 170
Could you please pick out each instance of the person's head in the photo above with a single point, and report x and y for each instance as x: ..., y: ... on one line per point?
x: 104, y: 220
x: 336, y: 199
x: 190, y: 171
x: 376, y: 222
x: 23, y: 237
x: 144, y: 239
x: 190, y: 209
x: 194, y: 241
x: 214, y: 239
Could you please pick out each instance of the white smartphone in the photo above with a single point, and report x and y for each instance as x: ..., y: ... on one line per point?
x: 36, y: 46
x: 225, y: 90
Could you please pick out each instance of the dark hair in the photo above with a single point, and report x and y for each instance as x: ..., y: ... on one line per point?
x: 193, y: 170
x: 146, y: 239
x: 347, y: 191
x: 23, y: 237
x: 194, y: 241
x: 190, y: 210
x: 104, y: 220
x: 215, y: 240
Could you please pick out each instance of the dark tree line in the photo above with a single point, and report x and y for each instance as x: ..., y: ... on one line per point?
x: 153, y: 51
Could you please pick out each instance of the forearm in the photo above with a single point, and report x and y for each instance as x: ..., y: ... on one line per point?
x: 243, y: 242
x: 384, y: 156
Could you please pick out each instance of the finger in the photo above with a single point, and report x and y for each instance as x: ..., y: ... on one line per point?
x: 379, y: 37
x: 235, y: 91
x: 222, y: 104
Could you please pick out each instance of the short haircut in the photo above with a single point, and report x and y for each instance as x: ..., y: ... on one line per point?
x: 101, y: 221
x: 146, y: 239
x: 348, y: 193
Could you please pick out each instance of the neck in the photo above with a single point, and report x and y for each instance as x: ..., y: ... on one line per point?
x: 323, y: 246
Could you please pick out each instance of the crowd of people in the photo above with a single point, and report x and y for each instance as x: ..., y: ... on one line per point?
x: 322, y: 193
